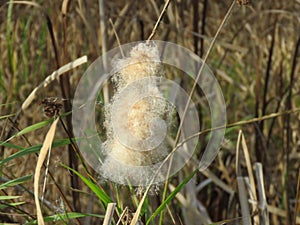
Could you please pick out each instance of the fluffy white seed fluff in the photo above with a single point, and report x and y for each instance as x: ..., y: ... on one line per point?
x: 143, y: 120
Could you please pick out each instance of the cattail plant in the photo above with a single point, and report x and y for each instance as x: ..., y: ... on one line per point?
x: 137, y: 119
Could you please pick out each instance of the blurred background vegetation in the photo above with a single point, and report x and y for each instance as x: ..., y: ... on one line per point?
x: 255, y: 59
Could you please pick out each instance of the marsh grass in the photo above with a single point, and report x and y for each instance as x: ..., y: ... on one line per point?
x: 255, y: 178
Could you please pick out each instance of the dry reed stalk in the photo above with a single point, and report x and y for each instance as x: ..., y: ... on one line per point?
x: 109, y: 213
x: 262, y: 203
x: 246, y: 218
x: 242, y: 141
x: 66, y: 94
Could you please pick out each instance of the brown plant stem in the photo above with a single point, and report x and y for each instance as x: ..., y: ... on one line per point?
x: 66, y: 93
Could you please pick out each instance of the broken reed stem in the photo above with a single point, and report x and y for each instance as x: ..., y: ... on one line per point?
x: 109, y: 213
x: 262, y: 200
x: 246, y: 218
x: 158, y: 20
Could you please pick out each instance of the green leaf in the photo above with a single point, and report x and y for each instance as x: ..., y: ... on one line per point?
x: 64, y: 216
x: 103, y: 197
x: 23, y: 152
x: 144, y: 210
x: 34, y: 127
x: 171, y: 196
x: 15, y: 182
x: 6, y: 116
x: 4, y: 206
x: 3, y: 198
x: 33, y: 149
x: 10, y: 145
x: 29, y: 129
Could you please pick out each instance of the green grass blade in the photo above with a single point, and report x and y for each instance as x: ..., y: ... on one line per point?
x: 15, y: 182
x: 10, y: 145
x: 6, y: 116
x: 103, y: 197
x: 171, y: 196
x: 29, y: 129
x: 13, y: 204
x: 9, y: 204
x: 32, y: 149
x: 65, y: 216
x: 3, y: 198
x: 34, y: 127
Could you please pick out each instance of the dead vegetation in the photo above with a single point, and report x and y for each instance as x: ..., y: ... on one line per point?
x: 255, y: 177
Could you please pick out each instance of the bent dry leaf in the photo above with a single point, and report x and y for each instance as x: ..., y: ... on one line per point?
x: 46, y: 145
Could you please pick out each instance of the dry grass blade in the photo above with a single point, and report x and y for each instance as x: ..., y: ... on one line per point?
x: 250, y: 172
x: 240, y: 180
x: 46, y: 145
x: 244, y: 201
x: 55, y: 75
x: 139, y: 208
x: 209, y: 174
x: 103, y: 29
x: 109, y: 213
x: 125, y: 211
x: 264, y: 218
x: 64, y: 7
x: 158, y: 20
x: 119, y: 22
x: 282, y: 213
x: 117, y: 37
x: 249, y: 166
x: 239, y: 123
x: 237, y: 164
x: 26, y: 3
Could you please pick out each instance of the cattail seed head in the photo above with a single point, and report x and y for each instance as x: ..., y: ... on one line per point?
x: 142, y: 118
x: 136, y: 117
